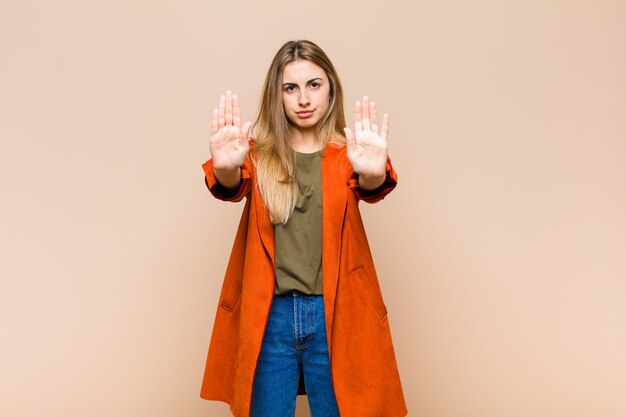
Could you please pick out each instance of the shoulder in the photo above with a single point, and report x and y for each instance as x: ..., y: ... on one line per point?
x: 336, y: 151
x: 335, y: 158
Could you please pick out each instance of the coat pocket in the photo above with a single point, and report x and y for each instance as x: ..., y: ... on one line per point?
x: 370, y: 292
x: 230, y: 297
x: 229, y: 305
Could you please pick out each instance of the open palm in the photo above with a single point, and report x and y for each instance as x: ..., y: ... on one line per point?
x: 229, y: 141
x: 366, y: 148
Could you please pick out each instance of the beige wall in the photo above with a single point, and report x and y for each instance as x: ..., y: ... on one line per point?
x: 501, y: 254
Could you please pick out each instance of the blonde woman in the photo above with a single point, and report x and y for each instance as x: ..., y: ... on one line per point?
x: 300, y: 310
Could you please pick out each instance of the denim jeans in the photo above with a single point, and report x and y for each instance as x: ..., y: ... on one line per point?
x: 294, y: 341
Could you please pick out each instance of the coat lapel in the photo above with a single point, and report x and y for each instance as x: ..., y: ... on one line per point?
x: 264, y: 224
x: 334, y: 201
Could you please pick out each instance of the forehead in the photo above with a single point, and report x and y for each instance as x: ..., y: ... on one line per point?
x: 302, y: 71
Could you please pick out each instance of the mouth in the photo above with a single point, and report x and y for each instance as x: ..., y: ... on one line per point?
x: 304, y: 113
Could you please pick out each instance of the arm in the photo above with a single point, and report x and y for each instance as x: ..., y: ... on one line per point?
x: 227, y: 173
x: 374, y: 195
x: 218, y: 190
x: 372, y: 177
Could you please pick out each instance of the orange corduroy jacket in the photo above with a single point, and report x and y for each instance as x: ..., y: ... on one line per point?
x: 363, y: 363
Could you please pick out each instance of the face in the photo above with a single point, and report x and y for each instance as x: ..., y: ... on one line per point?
x: 305, y: 94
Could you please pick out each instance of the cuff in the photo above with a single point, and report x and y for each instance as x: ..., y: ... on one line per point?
x: 221, y: 192
x: 372, y: 196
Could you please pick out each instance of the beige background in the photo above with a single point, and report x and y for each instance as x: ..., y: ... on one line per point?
x: 501, y: 254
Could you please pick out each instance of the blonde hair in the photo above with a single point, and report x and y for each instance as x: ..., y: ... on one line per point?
x: 273, y: 155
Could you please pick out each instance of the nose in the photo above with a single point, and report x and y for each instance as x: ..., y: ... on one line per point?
x: 304, y: 98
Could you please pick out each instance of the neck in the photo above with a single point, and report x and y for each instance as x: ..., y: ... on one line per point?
x: 305, y: 141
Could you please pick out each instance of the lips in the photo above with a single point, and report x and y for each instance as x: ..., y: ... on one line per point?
x: 304, y: 114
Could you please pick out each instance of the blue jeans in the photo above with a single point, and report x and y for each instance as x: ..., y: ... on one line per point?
x: 294, y: 341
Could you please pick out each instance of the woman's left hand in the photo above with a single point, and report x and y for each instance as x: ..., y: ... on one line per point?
x: 366, y: 148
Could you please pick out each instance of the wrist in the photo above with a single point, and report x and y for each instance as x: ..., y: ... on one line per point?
x: 371, y: 182
x: 228, y: 177
x: 225, y: 168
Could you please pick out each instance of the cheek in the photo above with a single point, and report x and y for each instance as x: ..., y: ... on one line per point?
x: 326, y: 100
x: 287, y: 107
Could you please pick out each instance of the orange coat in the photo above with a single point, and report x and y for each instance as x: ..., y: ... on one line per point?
x: 363, y: 364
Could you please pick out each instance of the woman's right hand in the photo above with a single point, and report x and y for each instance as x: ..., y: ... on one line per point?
x: 229, y: 141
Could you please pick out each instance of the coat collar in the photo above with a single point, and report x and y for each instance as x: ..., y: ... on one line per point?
x: 333, y: 211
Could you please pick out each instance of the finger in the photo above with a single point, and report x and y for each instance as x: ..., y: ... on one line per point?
x: 350, y: 142
x: 214, y: 122
x: 385, y: 129
x: 373, y: 117
x: 229, y: 108
x: 236, y: 111
x: 358, y: 123
x: 245, y: 129
x: 366, y: 114
x: 222, y: 105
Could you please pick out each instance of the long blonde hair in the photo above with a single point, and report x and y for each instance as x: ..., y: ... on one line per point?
x: 273, y: 154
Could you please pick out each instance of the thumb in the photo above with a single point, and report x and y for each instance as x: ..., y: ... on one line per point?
x: 350, y: 142
x: 245, y: 129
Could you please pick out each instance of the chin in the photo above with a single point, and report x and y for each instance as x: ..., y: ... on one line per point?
x: 305, y: 124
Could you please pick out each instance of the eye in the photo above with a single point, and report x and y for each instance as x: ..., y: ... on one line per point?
x: 290, y: 88
x: 315, y: 84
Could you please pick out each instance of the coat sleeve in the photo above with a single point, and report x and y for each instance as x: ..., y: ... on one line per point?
x: 226, y: 194
x: 377, y: 194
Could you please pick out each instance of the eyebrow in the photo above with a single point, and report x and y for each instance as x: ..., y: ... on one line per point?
x: 308, y: 82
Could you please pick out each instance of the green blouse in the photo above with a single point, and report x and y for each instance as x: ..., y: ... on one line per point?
x: 298, y: 243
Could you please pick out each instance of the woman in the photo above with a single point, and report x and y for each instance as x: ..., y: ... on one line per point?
x: 300, y: 309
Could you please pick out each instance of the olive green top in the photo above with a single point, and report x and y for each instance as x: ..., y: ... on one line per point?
x: 298, y: 243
